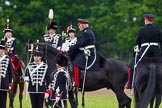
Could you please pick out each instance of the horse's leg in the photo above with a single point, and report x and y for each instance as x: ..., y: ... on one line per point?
x: 72, y: 99
x: 83, y: 101
x: 21, y: 89
x: 136, y: 97
x: 12, y: 94
x: 11, y: 97
x: 123, y: 100
x: 76, y: 95
x: 152, y: 102
x: 158, y: 101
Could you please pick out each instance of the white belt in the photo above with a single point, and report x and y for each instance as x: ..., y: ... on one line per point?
x: 87, y: 47
x: 146, y: 44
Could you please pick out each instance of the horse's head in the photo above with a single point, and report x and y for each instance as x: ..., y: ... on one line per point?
x: 49, y: 54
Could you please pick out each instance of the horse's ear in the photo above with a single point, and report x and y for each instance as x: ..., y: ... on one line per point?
x: 26, y: 44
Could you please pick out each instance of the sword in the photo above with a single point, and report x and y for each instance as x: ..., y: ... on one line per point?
x: 87, y: 53
x: 136, y: 63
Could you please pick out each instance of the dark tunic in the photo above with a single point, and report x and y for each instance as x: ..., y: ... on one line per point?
x: 60, y: 84
x: 149, y: 34
x: 55, y: 41
x: 76, y: 52
x: 6, y: 73
x: 37, y: 77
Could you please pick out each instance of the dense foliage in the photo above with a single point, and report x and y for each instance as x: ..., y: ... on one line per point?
x: 115, y: 22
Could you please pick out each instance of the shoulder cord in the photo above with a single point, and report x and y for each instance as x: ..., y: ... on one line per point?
x: 93, y: 59
x: 46, y: 55
x: 55, y: 39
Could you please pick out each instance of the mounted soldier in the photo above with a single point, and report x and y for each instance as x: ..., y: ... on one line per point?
x: 10, y: 44
x: 70, y: 40
x: 149, y: 38
x: 6, y: 74
x: 38, y: 77
x: 83, y: 53
x: 52, y: 37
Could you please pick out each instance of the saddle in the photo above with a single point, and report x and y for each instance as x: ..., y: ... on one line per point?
x: 16, y: 62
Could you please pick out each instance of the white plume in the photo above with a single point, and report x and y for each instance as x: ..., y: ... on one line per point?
x: 50, y: 15
x: 8, y: 20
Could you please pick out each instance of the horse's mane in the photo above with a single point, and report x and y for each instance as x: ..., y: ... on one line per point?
x: 49, y: 48
x: 102, y: 59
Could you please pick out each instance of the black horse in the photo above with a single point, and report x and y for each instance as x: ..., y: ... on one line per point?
x: 111, y: 75
x: 147, y: 85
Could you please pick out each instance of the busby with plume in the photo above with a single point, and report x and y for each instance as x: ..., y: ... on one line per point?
x: 51, y: 24
x: 8, y: 27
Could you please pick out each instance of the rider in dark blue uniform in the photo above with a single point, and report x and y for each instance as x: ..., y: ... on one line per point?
x: 52, y: 37
x: 149, y: 38
x: 147, y: 42
x: 6, y: 74
x: 85, y: 46
x: 10, y: 43
x: 70, y: 40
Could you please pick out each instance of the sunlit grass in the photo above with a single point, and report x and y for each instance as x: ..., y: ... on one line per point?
x: 91, y: 101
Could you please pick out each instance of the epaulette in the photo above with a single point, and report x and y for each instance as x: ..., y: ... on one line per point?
x: 13, y: 38
x: 45, y: 35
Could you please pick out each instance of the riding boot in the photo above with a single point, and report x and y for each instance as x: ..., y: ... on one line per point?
x: 130, y: 74
x: 76, y: 76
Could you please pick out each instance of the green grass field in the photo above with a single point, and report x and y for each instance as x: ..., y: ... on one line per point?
x: 90, y: 102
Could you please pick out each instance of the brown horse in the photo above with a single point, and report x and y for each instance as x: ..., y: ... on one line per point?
x: 17, y: 80
x: 111, y: 75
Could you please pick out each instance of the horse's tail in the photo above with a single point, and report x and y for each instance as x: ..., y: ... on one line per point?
x: 149, y: 90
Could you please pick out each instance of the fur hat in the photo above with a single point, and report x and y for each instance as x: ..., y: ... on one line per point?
x: 38, y: 51
x: 52, y: 25
x: 61, y: 60
x: 8, y: 27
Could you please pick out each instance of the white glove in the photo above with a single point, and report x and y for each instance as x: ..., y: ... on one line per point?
x: 57, y: 98
x: 10, y: 88
x: 46, y: 95
x: 65, y: 47
x: 10, y: 85
x: 26, y: 79
x: 87, y: 52
x: 57, y: 95
x: 136, y: 48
